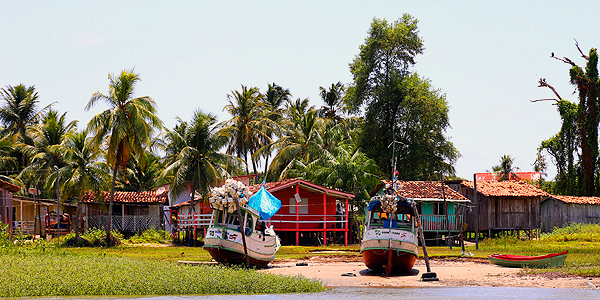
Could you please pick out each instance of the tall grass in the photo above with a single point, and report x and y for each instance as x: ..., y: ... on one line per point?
x: 34, y: 273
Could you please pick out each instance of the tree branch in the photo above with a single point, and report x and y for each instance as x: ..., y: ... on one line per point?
x: 543, y: 83
x: 582, y: 55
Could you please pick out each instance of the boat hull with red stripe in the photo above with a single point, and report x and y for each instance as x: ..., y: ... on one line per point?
x: 552, y: 260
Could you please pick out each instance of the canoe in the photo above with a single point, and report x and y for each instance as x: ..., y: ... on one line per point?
x: 520, y: 261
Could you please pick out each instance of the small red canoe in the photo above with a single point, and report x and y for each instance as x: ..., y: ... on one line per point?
x: 520, y: 261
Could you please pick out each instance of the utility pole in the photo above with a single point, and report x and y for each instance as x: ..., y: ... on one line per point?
x: 476, y: 211
x: 448, y: 239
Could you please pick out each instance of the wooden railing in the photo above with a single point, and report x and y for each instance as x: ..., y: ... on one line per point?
x: 195, y: 220
x: 26, y: 227
x: 439, y: 223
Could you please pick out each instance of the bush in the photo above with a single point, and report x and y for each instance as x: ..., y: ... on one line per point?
x: 150, y: 236
x: 95, y: 237
x: 573, y: 232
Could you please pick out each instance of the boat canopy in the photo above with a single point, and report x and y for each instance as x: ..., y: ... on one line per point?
x: 403, y: 206
x: 265, y: 203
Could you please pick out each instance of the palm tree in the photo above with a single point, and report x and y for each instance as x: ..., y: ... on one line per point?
x: 248, y: 127
x: 275, y: 97
x: 198, y: 161
x: 127, y: 126
x: 44, y: 153
x: 20, y: 109
x: 301, y: 141
x: 142, y: 177
x: 82, y: 170
x: 505, y: 171
x: 333, y: 101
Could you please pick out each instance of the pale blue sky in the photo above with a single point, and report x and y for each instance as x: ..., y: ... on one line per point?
x: 486, y: 58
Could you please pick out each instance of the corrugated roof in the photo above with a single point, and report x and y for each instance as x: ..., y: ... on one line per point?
x: 577, y: 200
x: 128, y: 197
x: 506, y: 189
x: 9, y: 186
x: 427, y: 190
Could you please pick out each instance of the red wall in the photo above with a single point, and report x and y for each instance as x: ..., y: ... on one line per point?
x: 315, y: 209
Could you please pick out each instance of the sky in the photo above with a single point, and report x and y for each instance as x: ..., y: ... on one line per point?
x: 485, y: 57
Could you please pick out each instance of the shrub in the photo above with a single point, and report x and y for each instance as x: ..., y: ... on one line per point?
x: 151, y: 235
x: 574, y: 232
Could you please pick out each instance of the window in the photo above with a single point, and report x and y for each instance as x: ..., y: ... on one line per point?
x: 303, y: 205
x: 439, y: 208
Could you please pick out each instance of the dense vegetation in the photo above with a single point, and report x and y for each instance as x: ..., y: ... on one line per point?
x: 125, y: 146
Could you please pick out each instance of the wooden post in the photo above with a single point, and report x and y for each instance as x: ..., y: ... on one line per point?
x: 475, y: 198
x: 446, y: 208
x: 324, y: 220
x: 347, y: 224
x: 242, y: 225
x: 422, y: 238
x: 298, y: 215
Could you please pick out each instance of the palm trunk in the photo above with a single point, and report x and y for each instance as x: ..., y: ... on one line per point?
x: 110, y: 206
x: 76, y: 221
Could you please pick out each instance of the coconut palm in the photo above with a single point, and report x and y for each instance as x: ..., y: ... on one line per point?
x: 505, y: 171
x: 248, y: 128
x: 198, y: 162
x: 333, y: 101
x: 82, y: 170
x: 142, y: 177
x: 44, y: 153
x: 301, y: 141
x: 20, y: 109
x: 275, y: 97
x: 125, y: 127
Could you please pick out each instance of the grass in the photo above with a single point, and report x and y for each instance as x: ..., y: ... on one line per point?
x: 57, y: 272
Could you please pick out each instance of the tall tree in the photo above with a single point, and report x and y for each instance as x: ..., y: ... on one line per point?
x: 198, y: 161
x: 20, y: 109
x: 400, y: 106
x: 332, y: 97
x: 82, y: 170
x: 587, y: 119
x: 248, y: 126
x: 274, y: 99
x: 125, y: 127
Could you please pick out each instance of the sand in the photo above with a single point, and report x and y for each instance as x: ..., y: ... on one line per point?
x: 333, y: 271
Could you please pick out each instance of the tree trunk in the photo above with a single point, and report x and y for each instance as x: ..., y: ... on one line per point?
x: 110, y: 206
x: 76, y: 221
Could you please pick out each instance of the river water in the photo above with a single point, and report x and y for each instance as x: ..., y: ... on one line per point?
x: 454, y: 293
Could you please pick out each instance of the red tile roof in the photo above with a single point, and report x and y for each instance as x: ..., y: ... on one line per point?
x: 577, y: 200
x: 9, y: 186
x: 427, y: 190
x: 278, y: 185
x: 506, y: 189
x: 128, y: 197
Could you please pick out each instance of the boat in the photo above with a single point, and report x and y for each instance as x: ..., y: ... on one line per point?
x: 249, y: 242
x: 389, y: 242
x: 520, y: 261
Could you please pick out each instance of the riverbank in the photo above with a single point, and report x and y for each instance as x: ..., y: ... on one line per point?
x: 336, y: 271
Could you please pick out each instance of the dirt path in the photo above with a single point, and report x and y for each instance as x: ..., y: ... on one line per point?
x: 451, y: 272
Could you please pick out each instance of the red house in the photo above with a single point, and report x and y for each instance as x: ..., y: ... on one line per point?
x: 308, y: 211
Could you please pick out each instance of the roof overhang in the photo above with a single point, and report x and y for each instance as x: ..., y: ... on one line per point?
x: 313, y: 188
x: 437, y: 200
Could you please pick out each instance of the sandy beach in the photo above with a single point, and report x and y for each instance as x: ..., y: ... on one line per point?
x: 337, y: 271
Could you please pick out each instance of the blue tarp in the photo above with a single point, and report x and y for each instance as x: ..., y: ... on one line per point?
x: 265, y: 203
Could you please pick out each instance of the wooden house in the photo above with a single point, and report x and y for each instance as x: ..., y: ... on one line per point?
x: 7, y: 210
x: 429, y: 198
x: 32, y: 214
x: 132, y: 211
x: 503, y: 206
x: 559, y: 211
x: 310, y: 213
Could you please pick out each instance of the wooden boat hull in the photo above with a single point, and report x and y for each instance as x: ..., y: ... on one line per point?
x: 382, y: 246
x: 226, y: 247
x: 552, y: 260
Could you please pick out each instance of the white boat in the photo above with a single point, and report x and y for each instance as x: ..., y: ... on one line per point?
x: 389, y: 241
x: 224, y: 238
x: 241, y: 236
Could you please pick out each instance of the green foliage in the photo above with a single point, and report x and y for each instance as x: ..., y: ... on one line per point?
x: 573, y: 232
x: 96, y: 238
x: 4, y: 236
x: 150, y: 236
x: 399, y: 106
x: 58, y: 273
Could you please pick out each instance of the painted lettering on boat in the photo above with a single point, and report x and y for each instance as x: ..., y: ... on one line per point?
x: 393, y: 234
